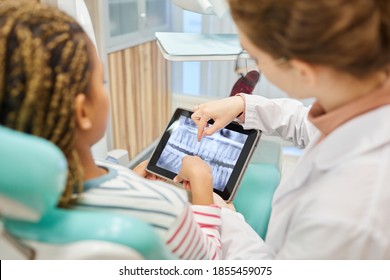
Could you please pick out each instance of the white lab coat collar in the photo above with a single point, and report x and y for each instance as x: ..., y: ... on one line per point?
x: 319, y: 157
x: 366, y: 134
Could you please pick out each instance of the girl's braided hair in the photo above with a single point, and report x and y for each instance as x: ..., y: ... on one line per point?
x: 44, y: 65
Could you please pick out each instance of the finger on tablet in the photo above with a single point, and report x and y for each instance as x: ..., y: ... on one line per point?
x: 211, y: 129
x: 151, y: 177
x: 186, y: 185
x: 202, y: 123
x: 195, y: 117
x: 177, y: 179
x: 161, y: 179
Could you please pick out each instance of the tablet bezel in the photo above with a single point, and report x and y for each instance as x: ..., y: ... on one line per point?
x: 238, y: 170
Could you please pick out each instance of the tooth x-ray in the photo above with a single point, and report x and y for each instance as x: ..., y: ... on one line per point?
x: 220, y: 150
x: 227, y: 151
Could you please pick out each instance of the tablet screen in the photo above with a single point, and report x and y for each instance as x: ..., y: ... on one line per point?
x: 227, y: 151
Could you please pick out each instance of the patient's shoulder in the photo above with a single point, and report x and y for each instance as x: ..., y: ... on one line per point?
x: 123, y: 181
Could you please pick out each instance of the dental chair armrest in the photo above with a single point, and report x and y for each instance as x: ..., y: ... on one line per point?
x: 66, y: 227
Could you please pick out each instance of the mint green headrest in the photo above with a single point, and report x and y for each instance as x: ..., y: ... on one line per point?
x: 32, y: 175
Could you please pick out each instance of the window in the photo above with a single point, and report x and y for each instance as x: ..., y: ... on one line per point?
x: 133, y: 22
x: 214, y: 78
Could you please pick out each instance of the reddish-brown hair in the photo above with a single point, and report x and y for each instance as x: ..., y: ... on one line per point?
x: 352, y: 36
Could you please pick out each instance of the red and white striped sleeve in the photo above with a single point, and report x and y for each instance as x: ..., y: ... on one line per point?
x: 196, y: 233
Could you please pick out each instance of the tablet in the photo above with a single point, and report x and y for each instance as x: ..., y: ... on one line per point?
x: 227, y: 151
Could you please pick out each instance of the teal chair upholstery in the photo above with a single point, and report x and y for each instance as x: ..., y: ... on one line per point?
x: 32, y: 177
x: 254, y: 197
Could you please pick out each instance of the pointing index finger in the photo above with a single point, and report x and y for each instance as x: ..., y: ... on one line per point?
x: 201, y: 121
x: 202, y: 124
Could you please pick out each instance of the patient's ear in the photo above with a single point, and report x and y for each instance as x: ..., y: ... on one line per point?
x: 83, y: 120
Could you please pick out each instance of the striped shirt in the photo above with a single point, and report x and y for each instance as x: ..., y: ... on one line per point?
x: 189, y: 231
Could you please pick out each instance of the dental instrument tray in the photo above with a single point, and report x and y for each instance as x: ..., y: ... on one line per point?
x: 227, y: 151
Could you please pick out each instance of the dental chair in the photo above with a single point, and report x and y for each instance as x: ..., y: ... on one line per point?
x: 262, y: 176
x: 32, y: 178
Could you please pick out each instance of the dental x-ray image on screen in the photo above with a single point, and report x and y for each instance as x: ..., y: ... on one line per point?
x: 227, y: 151
x: 220, y: 150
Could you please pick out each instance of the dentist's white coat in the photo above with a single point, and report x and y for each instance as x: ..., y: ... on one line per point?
x: 336, y: 204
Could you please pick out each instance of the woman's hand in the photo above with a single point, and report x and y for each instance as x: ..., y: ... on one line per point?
x: 140, y: 169
x: 196, y: 176
x: 221, y: 111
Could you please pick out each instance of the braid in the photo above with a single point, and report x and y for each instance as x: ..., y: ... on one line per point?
x: 44, y: 65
